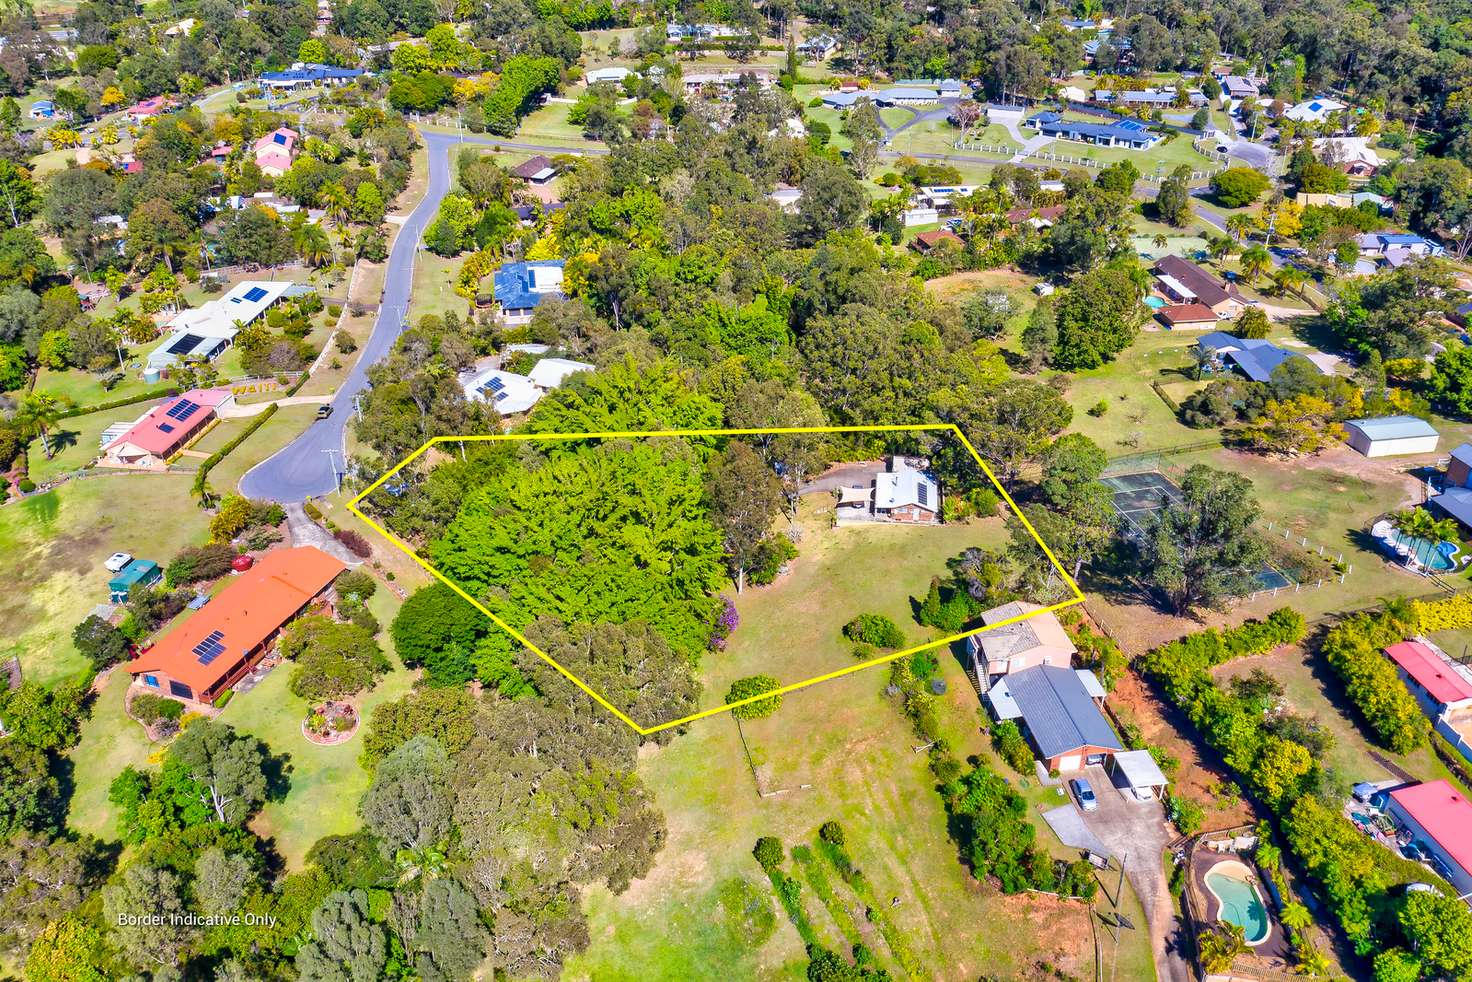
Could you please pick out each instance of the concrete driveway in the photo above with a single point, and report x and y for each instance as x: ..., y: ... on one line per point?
x: 859, y: 474
x: 1136, y: 833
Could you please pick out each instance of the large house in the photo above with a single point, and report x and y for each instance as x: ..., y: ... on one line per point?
x: 1395, y: 249
x: 818, y: 47
x: 511, y: 393
x: 1185, y: 282
x: 201, y: 333
x: 1255, y: 358
x: 1238, y: 87
x: 275, y: 151
x: 1436, y: 818
x: 1058, y: 710
x: 213, y: 649
x: 148, y: 108
x: 1130, y: 134
x: 309, y: 73
x: 1455, y: 498
x: 1443, y: 688
x: 536, y: 170
x: 1313, y: 111
x: 521, y: 287
x: 162, y: 431
x: 1037, y: 640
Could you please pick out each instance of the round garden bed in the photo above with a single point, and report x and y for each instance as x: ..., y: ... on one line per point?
x: 331, y: 723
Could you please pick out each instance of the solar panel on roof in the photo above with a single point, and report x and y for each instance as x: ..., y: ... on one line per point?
x: 254, y: 294
x: 210, y: 648
x: 165, y: 427
x: 182, y: 409
x: 495, y: 385
x: 185, y: 344
x: 924, y: 494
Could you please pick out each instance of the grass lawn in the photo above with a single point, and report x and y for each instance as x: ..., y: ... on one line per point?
x: 51, y: 552
x: 110, y: 742
x: 549, y: 124
x: 1166, y: 155
x: 1137, y: 420
x: 938, y: 136
x: 792, y: 629
x: 85, y: 388
x: 842, y: 752
x: 834, y: 119
x: 75, y: 441
x: 433, y: 291
x: 275, y: 433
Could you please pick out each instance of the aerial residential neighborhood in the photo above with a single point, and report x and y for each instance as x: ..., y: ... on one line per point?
x: 520, y: 491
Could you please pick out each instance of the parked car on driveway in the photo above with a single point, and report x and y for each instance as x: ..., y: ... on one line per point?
x: 1084, y: 794
x: 117, y: 561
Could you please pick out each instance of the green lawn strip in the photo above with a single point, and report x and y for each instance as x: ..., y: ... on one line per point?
x: 813, y: 872
x: 110, y: 741
x: 85, y: 388
x: 789, y: 895
x: 76, y: 441
x: 839, y: 859
x: 285, y: 425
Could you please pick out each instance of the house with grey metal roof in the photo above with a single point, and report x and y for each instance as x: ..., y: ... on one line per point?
x: 1058, y: 711
x: 1389, y: 436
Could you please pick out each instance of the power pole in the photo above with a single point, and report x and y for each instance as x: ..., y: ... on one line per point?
x: 332, y: 462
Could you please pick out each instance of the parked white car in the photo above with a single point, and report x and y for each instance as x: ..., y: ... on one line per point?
x: 117, y: 561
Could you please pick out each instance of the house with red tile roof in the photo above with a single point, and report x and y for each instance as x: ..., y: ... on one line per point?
x: 1187, y: 316
x: 926, y: 242
x: 149, y: 108
x: 165, y: 429
x: 1438, y: 685
x: 1437, y: 819
x: 215, y: 648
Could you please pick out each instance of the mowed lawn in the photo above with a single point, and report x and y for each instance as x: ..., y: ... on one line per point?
x: 838, y: 750
x: 793, y: 628
x: 110, y: 742
x: 75, y: 441
x: 1134, y: 418
x: 52, y: 547
x: 285, y: 425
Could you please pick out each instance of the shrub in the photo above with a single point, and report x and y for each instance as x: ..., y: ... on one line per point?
x: 754, y: 685
x: 354, y: 542
x: 26, y: 485
x: 1098, y: 409
x: 1185, y: 814
x: 334, y: 311
x: 771, y: 555
x: 768, y: 852
x: 875, y: 629
x: 923, y: 664
x: 313, y: 512
x: 196, y: 563
x: 1012, y: 747
x: 344, y: 343
x: 1353, y: 649
x: 832, y: 833
x: 150, y: 708
x: 356, y: 583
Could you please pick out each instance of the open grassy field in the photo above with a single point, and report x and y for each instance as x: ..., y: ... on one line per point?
x: 1136, y: 419
x: 110, y: 742
x: 840, y: 751
x: 938, y: 136
x: 51, y: 551
x: 434, y: 285
x: 549, y: 125
x: 83, y: 388
x: 839, y: 574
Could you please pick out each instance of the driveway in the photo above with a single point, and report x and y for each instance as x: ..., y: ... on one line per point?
x: 859, y: 474
x: 1136, y: 834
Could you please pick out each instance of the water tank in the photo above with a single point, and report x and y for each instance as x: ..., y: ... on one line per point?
x: 242, y: 563
x: 151, y: 376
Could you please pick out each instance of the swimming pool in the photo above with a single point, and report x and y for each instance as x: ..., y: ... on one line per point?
x: 1238, y: 900
x: 1154, y: 303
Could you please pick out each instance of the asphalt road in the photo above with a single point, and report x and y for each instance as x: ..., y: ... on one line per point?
x: 307, y: 467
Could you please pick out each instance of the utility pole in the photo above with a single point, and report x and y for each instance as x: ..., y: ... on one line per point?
x: 332, y: 462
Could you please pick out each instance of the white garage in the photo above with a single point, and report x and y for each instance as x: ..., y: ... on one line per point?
x: 1390, y: 436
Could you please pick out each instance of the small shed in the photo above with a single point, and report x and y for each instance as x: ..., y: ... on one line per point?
x: 1136, y: 773
x: 1389, y: 436
x: 144, y: 571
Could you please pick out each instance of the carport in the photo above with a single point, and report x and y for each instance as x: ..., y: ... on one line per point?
x: 1136, y: 775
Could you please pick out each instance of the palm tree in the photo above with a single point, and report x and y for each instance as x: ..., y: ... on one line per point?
x: 312, y: 242
x: 1240, y: 225
x: 1417, y: 523
x: 1220, y: 946
x: 1311, y: 961
x: 1161, y: 240
x: 1290, y: 279
x: 414, y: 864
x: 1295, y: 917
x: 336, y: 202
x: 35, y: 416
x: 1255, y: 261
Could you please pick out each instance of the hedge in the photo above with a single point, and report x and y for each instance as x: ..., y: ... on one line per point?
x: 162, y: 392
x: 1353, y: 649
x: 219, y: 455
x: 1447, y: 614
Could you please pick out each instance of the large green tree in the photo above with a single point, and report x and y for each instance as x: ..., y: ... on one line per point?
x: 1202, y: 550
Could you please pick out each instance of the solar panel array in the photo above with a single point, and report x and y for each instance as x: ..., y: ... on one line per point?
x: 185, y: 344
x: 166, y: 427
x: 254, y: 294
x: 210, y: 648
x: 923, y: 491
x: 182, y: 409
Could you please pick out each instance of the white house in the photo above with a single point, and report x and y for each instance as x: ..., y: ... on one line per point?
x: 906, y: 493
x: 549, y: 373
x: 201, y: 333
x: 1389, y: 436
x: 1313, y: 111
x: 511, y: 393
x: 612, y: 74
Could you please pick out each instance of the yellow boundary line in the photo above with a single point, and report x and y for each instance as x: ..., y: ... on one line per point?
x: 1076, y: 598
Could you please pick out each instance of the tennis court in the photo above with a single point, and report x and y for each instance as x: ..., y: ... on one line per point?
x: 1136, y: 496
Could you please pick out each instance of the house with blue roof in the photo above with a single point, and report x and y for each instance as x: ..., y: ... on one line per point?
x: 1128, y: 133
x: 521, y: 287
x: 309, y: 73
x: 43, y: 109
x: 1253, y: 357
x: 907, y: 95
x: 844, y: 100
x: 1391, y: 245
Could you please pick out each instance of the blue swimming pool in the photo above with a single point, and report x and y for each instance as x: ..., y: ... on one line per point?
x: 1240, y: 902
x: 1154, y: 303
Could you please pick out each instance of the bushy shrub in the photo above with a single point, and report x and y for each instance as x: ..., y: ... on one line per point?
x: 754, y: 685
x: 150, y: 708
x: 1353, y: 649
x: 875, y: 629
x: 1012, y: 747
x: 193, y: 564
x: 769, y: 852
x: 771, y: 555
x: 1185, y: 814
x: 831, y: 832
x: 354, y: 542
x: 356, y: 583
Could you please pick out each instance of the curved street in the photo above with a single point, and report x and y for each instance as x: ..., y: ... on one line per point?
x: 309, y: 465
